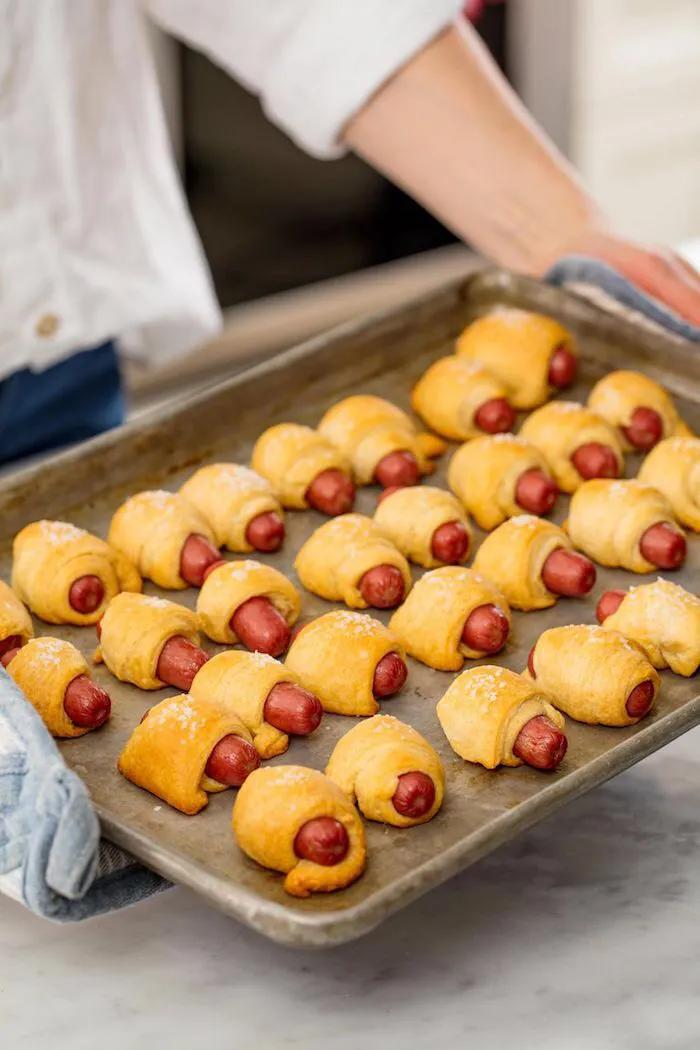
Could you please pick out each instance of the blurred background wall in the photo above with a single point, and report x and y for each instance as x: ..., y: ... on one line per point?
x: 297, y: 245
x: 615, y: 82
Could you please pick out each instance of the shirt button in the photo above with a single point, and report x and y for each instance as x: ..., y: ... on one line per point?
x: 47, y: 325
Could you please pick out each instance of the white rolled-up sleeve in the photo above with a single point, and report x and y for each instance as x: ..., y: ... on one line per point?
x: 314, y: 63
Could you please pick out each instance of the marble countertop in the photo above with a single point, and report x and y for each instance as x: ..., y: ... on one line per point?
x: 582, y: 933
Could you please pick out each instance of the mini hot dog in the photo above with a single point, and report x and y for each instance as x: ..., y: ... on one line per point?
x: 452, y: 614
x: 427, y: 524
x: 532, y: 562
x: 239, y: 505
x: 166, y: 537
x: 304, y: 469
x: 576, y: 443
x: 15, y: 623
x: 299, y: 822
x: 379, y: 440
x: 662, y: 617
x: 150, y: 642
x: 498, y: 477
x: 626, y: 524
x: 250, y: 603
x: 390, y: 770
x: 266, y: 696
x: 53, y: 675
x: 349, y: 661
x: 639, y: 407
x: 530, y: 354
x: 460, y: 400
x: 67, y: 575
x: 673, y: 467
x: 494, y: 717
x: 594, y: 675
x: 186, y: 748
x: 350, y: 559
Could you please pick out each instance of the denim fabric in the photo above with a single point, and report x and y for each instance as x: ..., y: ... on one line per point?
x: 71, y: 401
x: 49, y: 829
x: 578, y: 269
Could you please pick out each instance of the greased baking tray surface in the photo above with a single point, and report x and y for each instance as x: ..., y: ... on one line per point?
x: 384, y: 355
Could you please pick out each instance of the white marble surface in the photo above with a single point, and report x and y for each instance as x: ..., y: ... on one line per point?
x: 582, y: 933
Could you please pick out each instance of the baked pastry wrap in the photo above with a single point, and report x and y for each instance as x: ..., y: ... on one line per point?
x: 243, y: 681
x: 617, y: 394
x: 559, y: 428
x: 484, y: 475
x: 366, y: 428
x: 229, y: 496
x: 450, y: 393
x: 589, y: 672
x: 430, y: 622
x: 150, y: 529
x: 290, y: 456
x: 134, y: 629
x: 14, y: 618
x: 664, y: 619
x: 335, y: 657
x: 516, y: 346
x: 513, y: 556
x: 272, y: 806
x: 607, y: 520
x: 230, y: 585
x: 369, y: 759
x: 168, y: 752
x: 409, y: 517
x: 673, y: 467
x: 43, y: 669
x: 337, y: 555
x: 484, y: 710
x: 48, y: 556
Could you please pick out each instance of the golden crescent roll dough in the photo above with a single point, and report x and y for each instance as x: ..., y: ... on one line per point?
x: 335, y: 657
x: 368, y: 761
x: 134, y: 630
x: 230, y: 585
x: 367, y: 428
x: 150, y: 528
x: 450, y: 393
x: 337, y: 555
x: 48, y: 556
x: 243, y: 681
x: 484, y: 710
x: 430, y: 622
x: 167, y: 753
x: 513, y: 557
x: 589, y: 672
x: 558, y: 429
x: 229, y: 496
x: 410, y: 516
x: 616, y: 395
x: 516, y: 346
x: 14, y: 618
x: 673, y: 467
x: 607, y: 519
x: 484, y: 474
x: 664, y: 619
x: 290, y: 456
x: 43, y: 669
x: 272, y: 806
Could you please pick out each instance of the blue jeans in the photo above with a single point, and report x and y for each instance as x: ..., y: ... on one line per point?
x: 73, y: 400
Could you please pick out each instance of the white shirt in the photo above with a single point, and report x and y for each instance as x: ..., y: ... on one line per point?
x: 95, y: 237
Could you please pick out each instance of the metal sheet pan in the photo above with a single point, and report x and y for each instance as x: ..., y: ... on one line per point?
x: 384, y: 355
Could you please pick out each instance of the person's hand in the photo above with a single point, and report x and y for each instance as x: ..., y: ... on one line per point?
x: 659, y: 272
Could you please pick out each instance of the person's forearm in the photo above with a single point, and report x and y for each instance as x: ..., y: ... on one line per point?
x: 450, y: 131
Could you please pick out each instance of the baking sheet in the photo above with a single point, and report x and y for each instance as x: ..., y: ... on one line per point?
x: 382, y: 355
